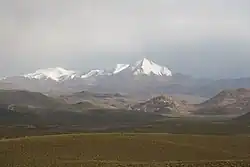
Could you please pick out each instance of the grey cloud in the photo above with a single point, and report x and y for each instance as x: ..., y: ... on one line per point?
x: 91, y: 33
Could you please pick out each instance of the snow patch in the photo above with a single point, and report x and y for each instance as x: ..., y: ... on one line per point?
x: 120, y: 67
x: 93, y: 73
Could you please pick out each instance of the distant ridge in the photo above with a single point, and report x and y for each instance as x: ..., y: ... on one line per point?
x: 59, y: 74
x: 141, y: 77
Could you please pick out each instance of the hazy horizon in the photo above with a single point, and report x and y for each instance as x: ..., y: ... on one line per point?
x: 208, y: 38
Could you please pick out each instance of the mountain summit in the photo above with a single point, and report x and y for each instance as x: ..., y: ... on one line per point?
x: 143, y: 67
x: 56, y: 74
x: 148, y: 67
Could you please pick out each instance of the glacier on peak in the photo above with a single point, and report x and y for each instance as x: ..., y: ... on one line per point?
x: 56, y: 74
x: 143, y: 67
x: 148, y: 67
x: 93, y: 73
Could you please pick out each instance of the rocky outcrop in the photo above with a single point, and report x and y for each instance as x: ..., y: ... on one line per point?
x: 161, y: 104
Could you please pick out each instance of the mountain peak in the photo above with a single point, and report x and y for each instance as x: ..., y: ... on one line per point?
x: 142, y: 67
x: 144, y: 62
x: 56, y: 74
x: 148, y: 67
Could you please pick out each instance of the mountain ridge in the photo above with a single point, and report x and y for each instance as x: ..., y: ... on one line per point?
x: 143, y: 76
x: 59, y: 74
x: 56, y: 74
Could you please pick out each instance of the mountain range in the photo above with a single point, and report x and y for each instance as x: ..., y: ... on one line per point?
x: 143, y: 77
x: 141, y: 67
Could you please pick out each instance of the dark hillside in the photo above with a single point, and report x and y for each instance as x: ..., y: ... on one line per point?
x: 21, y: 97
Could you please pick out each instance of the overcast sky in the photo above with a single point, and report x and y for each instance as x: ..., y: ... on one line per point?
x: 208, y: 38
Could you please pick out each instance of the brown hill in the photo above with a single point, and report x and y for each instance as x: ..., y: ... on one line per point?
x: 100, y: 100
x: 235, y: 101
x: 228, y: 97
x: 21, y: 97
x: 243, y: 118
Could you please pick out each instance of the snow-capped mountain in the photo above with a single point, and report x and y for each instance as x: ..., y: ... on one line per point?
x: 148, y: 67
x: 143, y: 67
x: 56, y: 74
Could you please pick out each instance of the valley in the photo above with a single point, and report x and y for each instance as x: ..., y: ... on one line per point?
x: 113, y: 129
x: 24, y: 113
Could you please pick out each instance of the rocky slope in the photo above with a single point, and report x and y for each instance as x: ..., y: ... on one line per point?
x: 161, y: 104
x: 20, y: 97
x: 232, y: 101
